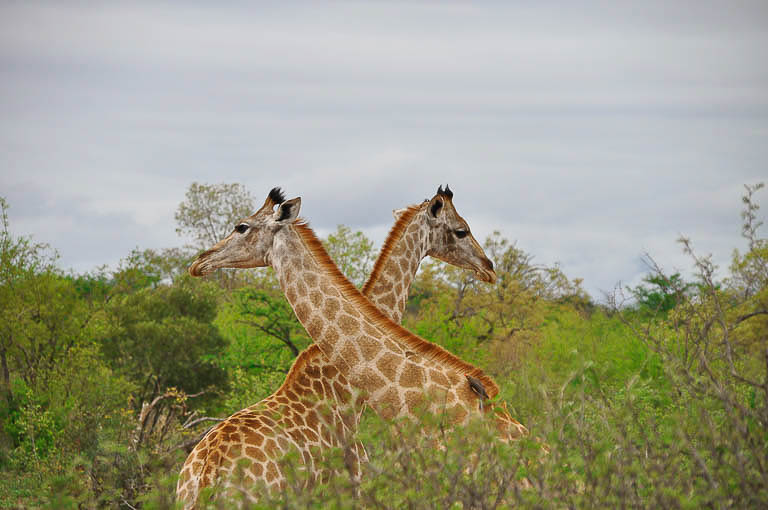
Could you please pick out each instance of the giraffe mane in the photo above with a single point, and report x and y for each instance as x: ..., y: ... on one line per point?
x: 395, y: 233
x: 427, y: 349
x: 298, y: 365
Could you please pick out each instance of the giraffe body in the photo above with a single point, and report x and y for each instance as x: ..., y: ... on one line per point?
x: 337, y: 405
x: 314, y: 410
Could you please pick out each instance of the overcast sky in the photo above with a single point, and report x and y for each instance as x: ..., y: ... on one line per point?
x: 587, y: 132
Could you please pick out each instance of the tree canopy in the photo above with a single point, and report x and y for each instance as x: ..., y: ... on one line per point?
x: 209, y: 211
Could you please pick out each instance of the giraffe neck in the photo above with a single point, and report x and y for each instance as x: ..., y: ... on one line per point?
x: 406, y: 245
x: 331, y: 321
x: 390, y: 281
x: 311, y: 375
x: 390, y: 365
x: 399, y: 259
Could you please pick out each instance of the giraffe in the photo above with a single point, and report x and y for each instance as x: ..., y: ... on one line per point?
x: 263, y: 432
x: 431, y: 228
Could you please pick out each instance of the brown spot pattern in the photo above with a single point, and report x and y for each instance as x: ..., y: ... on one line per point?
x: 302, y: 312
x: 387, y: 365
x: 348, y: 325
x: 389, y: 404
x: 412, y: 376
x: 371, y: 382
x: 388, y: 300
x: 315, y: 327
x: 316, y: 297
x: 349, y: 354
x: 330, y: 371
x: 331, y: 336
x: 369, y: 347
x: 331, y: 308
x: 310, y: 279
x: 438, y: 378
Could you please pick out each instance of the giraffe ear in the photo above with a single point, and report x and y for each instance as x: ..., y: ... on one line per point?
x: 435, y: 206
x: 288, y: 211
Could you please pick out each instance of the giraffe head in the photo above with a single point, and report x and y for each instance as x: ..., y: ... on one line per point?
x: 451, y: 240
x: 250, y: 243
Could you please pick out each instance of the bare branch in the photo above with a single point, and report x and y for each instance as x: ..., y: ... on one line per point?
x: 200, y: 420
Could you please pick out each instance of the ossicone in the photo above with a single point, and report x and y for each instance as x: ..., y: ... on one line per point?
x: 447, y: 193
x: 276, y: 195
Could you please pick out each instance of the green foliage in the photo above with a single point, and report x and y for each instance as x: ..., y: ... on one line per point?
x: 67, y: 419
x: 352, y: 252
x: 165, y: 337
x: 41, y: 318
x: 267, y: 312
x: 659, y: 293
x: 56, y: 389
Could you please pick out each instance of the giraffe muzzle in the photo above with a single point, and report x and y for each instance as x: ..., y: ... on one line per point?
x: 203, y: 264
x: 198, y: 268
x: 487, y: 272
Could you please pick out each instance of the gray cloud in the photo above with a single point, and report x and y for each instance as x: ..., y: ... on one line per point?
x: 590, y: 133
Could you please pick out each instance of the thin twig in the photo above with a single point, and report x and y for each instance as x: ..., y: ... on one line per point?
x: 202, y: 419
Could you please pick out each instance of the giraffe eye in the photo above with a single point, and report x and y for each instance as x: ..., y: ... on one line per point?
x: 241, y: 228
x: 461, y: 234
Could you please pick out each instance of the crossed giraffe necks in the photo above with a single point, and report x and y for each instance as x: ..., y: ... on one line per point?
x: 251, y: 435
x: 390, y: 365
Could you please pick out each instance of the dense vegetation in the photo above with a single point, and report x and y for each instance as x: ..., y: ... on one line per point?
x: 656, y: 398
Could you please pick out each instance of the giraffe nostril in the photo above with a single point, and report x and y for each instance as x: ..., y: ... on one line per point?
x: 488, y: 274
